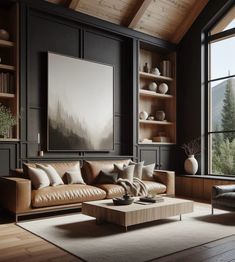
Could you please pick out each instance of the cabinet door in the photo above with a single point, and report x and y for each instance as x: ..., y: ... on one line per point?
x: 167, y: 158
x: 149, y: 156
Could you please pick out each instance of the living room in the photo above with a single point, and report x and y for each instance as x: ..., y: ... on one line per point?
x: 117, y: 129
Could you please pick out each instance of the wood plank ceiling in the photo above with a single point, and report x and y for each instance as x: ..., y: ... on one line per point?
x: 166, y: 19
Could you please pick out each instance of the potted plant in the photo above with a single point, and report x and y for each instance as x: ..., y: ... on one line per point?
x: 191, y: 149
x: 7, y: 121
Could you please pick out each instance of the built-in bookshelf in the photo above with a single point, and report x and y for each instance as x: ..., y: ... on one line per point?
x: 9, y: 65
x: 157, y: 96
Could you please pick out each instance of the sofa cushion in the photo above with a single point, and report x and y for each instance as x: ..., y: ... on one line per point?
x: 125, y: 172
x: 91, y: 169
x: 147, y: 172
x: 155, y: 187
x: 112, y: 190
x: 74, y: 176
x: 138, y: 169
x: 60, y: 167
x: 106, y: 178
x: 38, y: 178
x: 52, y: 174
x: 66, y: 194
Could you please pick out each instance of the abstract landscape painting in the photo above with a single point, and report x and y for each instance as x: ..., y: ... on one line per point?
x: 80, y: 105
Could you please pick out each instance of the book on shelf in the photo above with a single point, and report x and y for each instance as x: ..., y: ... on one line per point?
x: 6, y: 83
x: 166, y: 68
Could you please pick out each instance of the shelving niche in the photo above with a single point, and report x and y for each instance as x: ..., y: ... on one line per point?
x: 152, y: 131
x: 9, y: 65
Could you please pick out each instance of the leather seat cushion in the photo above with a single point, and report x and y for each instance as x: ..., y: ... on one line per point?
x: 154, y: 187
x: 91, y: 169
x: 225, y: 199
x: 66, y: 194
x: 112, y: 190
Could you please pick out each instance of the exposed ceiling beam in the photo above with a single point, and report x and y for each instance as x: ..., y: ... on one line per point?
x: 74, y: 4
x: 139, y: 13
x: 188, y: 21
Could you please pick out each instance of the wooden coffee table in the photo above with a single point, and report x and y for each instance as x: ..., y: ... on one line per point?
x: 106, y: 211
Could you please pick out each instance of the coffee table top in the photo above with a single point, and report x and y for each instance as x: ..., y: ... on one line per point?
x: 108, y: 204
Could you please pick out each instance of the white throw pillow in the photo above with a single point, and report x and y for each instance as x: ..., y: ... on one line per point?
x: 52, y: 174
x: 147, y: 172
x: 138, y: 169
x: 74, y: 176
x: 38, y: 177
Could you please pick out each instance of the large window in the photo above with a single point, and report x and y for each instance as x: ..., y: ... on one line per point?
x: 221, y: 95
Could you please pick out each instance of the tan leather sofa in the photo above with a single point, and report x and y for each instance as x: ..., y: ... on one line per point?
x: 18, y: 196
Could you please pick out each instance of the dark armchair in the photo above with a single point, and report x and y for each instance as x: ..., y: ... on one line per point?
x: 223, y: 197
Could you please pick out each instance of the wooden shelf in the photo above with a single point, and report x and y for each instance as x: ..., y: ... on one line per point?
x: 8, y: 139
x: 156, y: 143
x: 152, y: 76
x: 154, y: 94
x: 7, y: 67
x: 7, y: 95
x: 5, y: 43
x: 153, y: 122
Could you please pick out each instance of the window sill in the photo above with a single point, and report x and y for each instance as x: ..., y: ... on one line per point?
x: 208, y: 177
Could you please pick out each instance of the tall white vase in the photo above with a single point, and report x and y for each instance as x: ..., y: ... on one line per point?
x: 191, y: 165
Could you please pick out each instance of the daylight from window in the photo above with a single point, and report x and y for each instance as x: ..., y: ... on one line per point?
x: 222, y: 105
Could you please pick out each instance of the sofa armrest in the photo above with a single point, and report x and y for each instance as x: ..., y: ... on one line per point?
x: 167, y: 178
x: 15, y: 194
x: 216, y: 190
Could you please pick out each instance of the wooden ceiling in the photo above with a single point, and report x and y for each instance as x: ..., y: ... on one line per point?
x: 166, y: 19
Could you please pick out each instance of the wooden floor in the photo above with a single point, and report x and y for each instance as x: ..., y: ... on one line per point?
x: 16, y: 244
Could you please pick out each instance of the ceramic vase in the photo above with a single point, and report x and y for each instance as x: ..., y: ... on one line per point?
x: 152, y: 86
x: 143, y: 115
x: 163, y: 88
x: 191, y: 165
x: 4, y: 35
x: 160, y: 115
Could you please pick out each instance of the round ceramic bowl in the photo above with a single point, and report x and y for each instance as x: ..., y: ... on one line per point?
x: 118, y: 201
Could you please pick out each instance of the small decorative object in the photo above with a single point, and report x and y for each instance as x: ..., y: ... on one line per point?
x: 160, y: 115
x: 143, y: 115
x: 191, y: 149
x: 7, y: 121
x: 163, y: 88
x: 155, y: 71
x: 146, y: 68
x: 162, y: 139
x: 152, y: 86
x: 41, y: 153
x: 4, y: 35
x: 147, y: 141
x: 125, y: 200
x: 150, y: 118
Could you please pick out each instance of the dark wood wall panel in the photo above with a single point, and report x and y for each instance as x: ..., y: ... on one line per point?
x: 8, y: 157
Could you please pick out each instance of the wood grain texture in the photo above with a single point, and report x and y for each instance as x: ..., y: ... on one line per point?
x: 16, y: 244
x: 133, y: 214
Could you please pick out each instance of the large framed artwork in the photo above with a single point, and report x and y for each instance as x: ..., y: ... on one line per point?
x: 80, y: 105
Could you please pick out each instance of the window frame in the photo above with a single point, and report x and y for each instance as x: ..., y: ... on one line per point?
x: 208, y: 103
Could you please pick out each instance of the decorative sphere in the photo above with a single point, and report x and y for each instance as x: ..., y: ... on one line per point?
x: 4, y: 35
x: 143, y: 115
x: 163, y: 88
x: 152, y: 86
x: 160, y: 115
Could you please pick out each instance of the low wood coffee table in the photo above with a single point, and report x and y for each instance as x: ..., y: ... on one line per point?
x: 128, y: 215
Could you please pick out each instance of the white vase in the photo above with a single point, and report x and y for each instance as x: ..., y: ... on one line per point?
x: 191, y: 165
x: 143, y: 115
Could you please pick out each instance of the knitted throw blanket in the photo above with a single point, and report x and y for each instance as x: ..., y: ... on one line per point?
x: 135, y: 188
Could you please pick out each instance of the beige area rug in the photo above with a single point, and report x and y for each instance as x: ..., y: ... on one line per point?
x: 79, y: 235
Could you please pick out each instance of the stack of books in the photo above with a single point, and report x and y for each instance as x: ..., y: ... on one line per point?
x: 166, y: 68
x: 149, y: 200
x: 6, y: 83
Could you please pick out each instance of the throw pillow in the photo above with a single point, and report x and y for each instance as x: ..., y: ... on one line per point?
x: 125, y: 172
x: 106, y: 178
x: 38, y: 177
x: 74, y: 176
x: 147, y: 172
x: 52, y: 174
x: 138, y: 169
